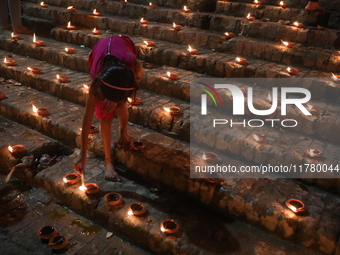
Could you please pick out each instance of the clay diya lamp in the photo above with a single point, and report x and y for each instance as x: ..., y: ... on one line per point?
x: 15, y: 37
x: 185, y: 9
x: 35, y: 70
x: 312, y: 110
x: 210, y: 157
x: 250, y: 18
x: 95, y: 13
x: 241, y: 61
x: 173, y: 110
x: 96, y: 32
x: 257, y: 2
x: 172, y: 76
x: 191, y: 50
x: 228, y: 35
x: 43, y: 5
x: 292, y: 71
x: 71, y: 8
x: 137, y: 146
x: 143, y: 21
x: 321, y: 27
x: 288, y: 44
x: 134, y: 100
x: 335, y: 77
x: 10, y: 62
x: 169, y: 226
x: 18, y: 148
x: 3, y: 95
x: 92, y: 188
x: 62, y: 78
x: 71, y: 178
x: 283, y: 5
x: 136, y: 209
x: 298, y: 24
x: 69, y: 26
x: 295, y: 205
x: 93, y: 129
x: 47, y: 232
x: 124, y: 2
x: 210, y: 180
x: 42, y: 111
x: 153, y: 6
x: 150, y: 43
x: 313, y: 152
x: 176, y: 27
x: 70, y: 50
x: 258, y: 137
x: 39, y: 42
x: 113, y: 198
x: 58, y: 242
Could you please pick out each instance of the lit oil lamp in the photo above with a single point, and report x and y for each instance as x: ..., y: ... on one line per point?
x: 3, y: 95
x: 283, y: 5
x: 191, y: 50
x: 256, y: 2
x: 136, y: 209
x: 228, y: 35
x: 113, y: 198
x: 295, y: 205
x: 169, y: 226
x: 39, y: 42
x: 124, y: 2
x: 185, y: 9
x: 35, y: 70
x: 288, y: 44
x: 43, y: 5
x: 16, y: 148
x: 71, y: 8
x: 241, y: 61
x: 172, y: 76
x: 143, y: 21
x: 335, y: 77
x: 135, y: 100
x: 70, y: 50
x: 15, y: 37
x: 297, y: 24
x: 82, y: 188
x: 250, y: 18
x: 210, y: 157
x: 153, y: 6
x: 9, y: 62
x: 62, y: 78
x: 173, y: 110
x: 42, y: 111
x: 95, y: 31
x: 86, y: 87
x: 313, y: 152
x: 150, y: 43
x: 176, y: 27
x: 137, y: 146
x: 92, y: 188
x: 69, y: 26
x: 95, y: 13
x: 258, y: 137
x: 292, y: 71
x: 312, y: 110
x: 71, y: 178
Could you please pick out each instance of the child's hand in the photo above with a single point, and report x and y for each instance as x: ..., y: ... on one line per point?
x: 79, y: 164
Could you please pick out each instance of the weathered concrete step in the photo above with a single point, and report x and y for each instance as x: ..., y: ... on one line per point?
x: 323, y: 125
x: 276, y: 13
x: 38, y: 25
x: 243, y: 198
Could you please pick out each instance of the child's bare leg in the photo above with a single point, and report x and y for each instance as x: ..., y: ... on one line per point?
x: 105, y: 131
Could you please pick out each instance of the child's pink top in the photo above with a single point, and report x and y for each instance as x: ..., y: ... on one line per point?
x: 121, y: 47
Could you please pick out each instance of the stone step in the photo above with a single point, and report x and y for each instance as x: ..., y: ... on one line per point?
x: 198, y: 225
x: 276, y: 13
x: 316, y: 58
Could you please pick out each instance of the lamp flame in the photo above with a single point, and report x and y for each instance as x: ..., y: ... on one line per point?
x: 42, y: 3
x: 334, y: 77
x: 256, y: 138
x: 256, y: 1
x: 167, y: 109
x: 10, y: 149
x: 185, y: 8
x: 282, y: 3
x: 34, y: 38
x: 168, y: 74
x: 146, y: 42
x: 12, y: 34
x: 284, y: 43
x: 248, y: 16
x: 69, y: 24
x: 94, y: 30
x: 310, y: 107
x: 129, y: 99
x: 58, y: 77
x: 288, y: 69
x: 238, y: 59
x: 29, y: 69
x: 162, y: 229
x: 189, y: 48
x: 130, y: 212
x: 69, y: 8
x: 34, y: 108
x: 293, y: 208
x: 94, y: 11
x: 204, y: 157
x: 150, y: 3
x: 5, y: 60
x: 83, y: 188
x: 142, y: 19
x: 86, y: 86
x: 65, y: 180
x: 296, y: 23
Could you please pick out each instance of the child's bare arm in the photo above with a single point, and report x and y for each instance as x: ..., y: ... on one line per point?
x: 139, y: 73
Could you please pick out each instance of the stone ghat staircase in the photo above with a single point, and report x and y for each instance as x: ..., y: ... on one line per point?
x: 256, y: 201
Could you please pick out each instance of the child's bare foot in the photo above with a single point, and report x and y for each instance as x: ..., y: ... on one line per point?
x: 124, y: 140
x: 111, y: 174
x: 313, y: 6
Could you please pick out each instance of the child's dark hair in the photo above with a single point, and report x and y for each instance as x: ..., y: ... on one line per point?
x: 115, y: 73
